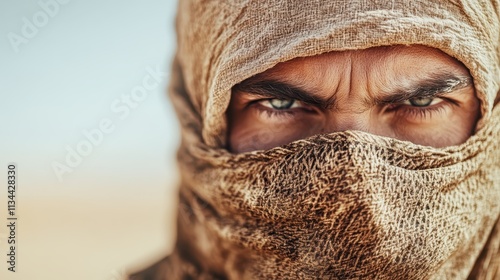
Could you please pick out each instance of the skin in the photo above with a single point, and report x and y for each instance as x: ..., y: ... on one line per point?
x: 412, y: 93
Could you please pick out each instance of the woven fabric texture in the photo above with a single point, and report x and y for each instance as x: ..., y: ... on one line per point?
x: 345, y: 205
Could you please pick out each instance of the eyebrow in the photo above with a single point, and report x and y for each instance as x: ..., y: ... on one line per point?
x: 281, y: 90
x: 435, y: 85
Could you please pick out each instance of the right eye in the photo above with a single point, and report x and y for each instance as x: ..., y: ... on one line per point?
x: 422, y: 101
x: 280, y: 104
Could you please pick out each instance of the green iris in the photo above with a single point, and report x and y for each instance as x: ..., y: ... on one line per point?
x: 421, y: 101
x: 281, y: 104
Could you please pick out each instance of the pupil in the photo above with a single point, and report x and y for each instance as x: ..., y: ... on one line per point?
x: 421, y: 102
x: 281, y: 104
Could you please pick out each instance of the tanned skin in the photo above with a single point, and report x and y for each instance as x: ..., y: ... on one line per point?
x: 413, y: 93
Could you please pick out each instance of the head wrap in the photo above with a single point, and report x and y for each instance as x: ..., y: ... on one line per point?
x: 345, y: 205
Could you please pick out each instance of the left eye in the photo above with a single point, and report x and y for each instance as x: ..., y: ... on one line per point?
x: 280, y: 104
x: 422, y: 101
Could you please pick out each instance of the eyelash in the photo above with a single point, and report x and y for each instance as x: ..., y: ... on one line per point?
x: 281, y: 115
x: 400, y: 110
x: 406, y: 111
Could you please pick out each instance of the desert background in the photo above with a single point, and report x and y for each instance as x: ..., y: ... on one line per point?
x: 69, y: 68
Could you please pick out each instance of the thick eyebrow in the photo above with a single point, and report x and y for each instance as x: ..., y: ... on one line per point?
x: 280, y: 90
x: 434, y: 86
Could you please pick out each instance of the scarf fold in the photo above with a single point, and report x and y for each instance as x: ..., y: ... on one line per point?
x: 345, y: 205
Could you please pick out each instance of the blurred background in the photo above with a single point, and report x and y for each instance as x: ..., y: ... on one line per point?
x: 84, y: 114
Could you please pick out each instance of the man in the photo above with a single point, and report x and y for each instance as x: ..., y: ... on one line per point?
x: 337, y: 140
x: 416, y: 93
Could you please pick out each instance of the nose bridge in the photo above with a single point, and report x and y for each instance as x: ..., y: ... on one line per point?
x: 350, y: 120
x: 352, y: 111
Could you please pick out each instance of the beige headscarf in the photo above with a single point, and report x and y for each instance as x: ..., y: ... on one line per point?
x: 346, y: 205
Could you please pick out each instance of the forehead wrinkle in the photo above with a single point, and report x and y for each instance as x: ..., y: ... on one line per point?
x: 397, y: 74
x: 380, y: 73
x: 330, y: 84
x: 335, y: 80
x: 375, y: 76
x: 318, y: 75
x: 389, y: 63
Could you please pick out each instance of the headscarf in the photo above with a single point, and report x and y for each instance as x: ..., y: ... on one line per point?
x: 344, y: 205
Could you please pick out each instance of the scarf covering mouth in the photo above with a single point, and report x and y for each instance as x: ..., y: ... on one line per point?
x: 345, y: 205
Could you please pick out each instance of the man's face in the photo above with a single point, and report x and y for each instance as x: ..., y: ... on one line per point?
x: 417, y: 93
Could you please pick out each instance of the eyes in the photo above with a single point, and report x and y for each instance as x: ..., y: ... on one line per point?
x: 438, y: 119
x: 424, y: 111
x: 422, y: 101
x: 287, y: 104
x: 280, y: 104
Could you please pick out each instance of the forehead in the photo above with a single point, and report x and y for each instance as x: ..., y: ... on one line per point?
x: 378, y: 62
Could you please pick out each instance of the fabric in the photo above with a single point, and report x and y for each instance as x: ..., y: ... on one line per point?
x: 345, y: 205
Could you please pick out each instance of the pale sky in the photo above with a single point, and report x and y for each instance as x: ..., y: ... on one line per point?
x: 65, y: 69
